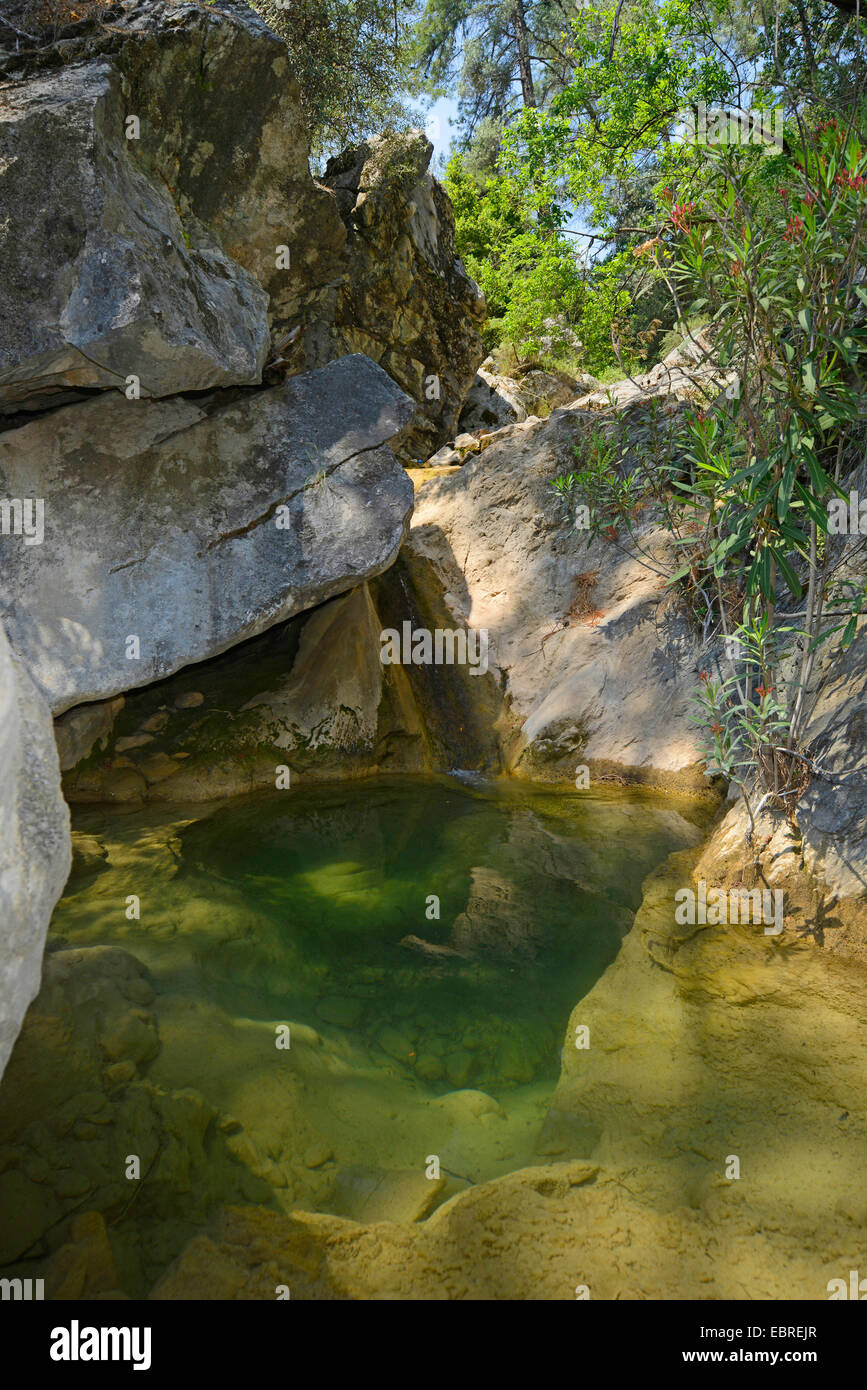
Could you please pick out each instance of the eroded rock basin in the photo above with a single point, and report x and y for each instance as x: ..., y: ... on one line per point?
x: 418, y: 944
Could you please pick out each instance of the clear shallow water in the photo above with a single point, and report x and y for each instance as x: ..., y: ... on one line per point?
x: 449, y: 929
x: 411, y: 1034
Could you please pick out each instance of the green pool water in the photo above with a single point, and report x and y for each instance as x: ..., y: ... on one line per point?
x: 447, y: 927
x: 418, y: 943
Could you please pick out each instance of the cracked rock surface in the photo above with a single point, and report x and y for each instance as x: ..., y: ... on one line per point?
x: 194, y: 525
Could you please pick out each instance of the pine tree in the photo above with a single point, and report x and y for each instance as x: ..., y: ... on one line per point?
x: 503, y: 55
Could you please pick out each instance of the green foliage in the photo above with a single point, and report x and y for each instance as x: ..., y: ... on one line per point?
x: 603, y: 133
x: 767, y: 248
x: 617, y: 487
x: 780, y: 282
x: 771, y: 252
x: 616, y: 115
x: 775, y: 251
x: 743, y: 719
x: 527, y: 277
x: 349, y: 58
x: 597, y: 146
x: 478, y: 46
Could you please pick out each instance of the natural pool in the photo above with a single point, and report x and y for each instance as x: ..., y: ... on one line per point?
x: 419, y: 943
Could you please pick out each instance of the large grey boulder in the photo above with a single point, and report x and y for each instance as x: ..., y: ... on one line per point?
x: 101, y: 279
x: 165, y: 249
x: 34, y: 841
x: 174, y: 529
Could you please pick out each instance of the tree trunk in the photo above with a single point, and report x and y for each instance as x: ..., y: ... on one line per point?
x: 527, y: 90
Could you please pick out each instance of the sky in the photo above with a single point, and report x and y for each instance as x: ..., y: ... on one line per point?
x: 439, y: 129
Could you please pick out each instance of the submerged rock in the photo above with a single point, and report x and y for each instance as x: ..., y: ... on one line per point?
x: 174, y: 530
x: 706, y: 1045
x: 89, y: 854
x: 380, y: 1194
x: 342, y: 1010
x: 85, y: 1266
x: 76, y: 1104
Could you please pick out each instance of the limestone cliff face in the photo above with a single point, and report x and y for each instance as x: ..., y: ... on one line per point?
x: 407, y: 301
x: 161, y: 239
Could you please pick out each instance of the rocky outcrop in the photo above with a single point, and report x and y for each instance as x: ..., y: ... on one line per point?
x: 491, y: 402
x: 817, y: 860
x: 687, y: 373
x: 167, y: 249
x: 407, y: 301
x: 591, y: 662
x: 495, y: 400
x: 311, y: 695
x: 155, y: 236
x: 597, y: 664
x: 543, y: 389
x: 175, y: 529
x: 84, y: 728
x: 34, y: 841
x: 193, y: 235
x: 123, y: 289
